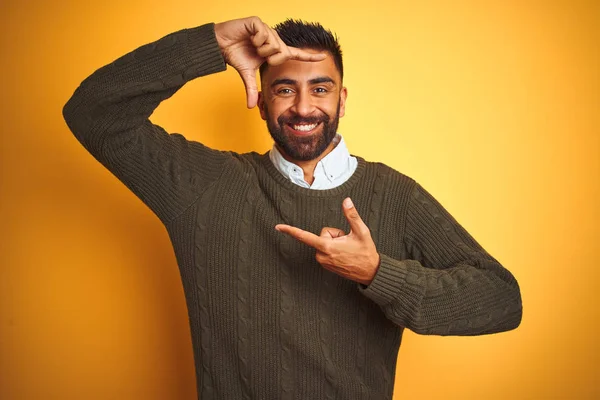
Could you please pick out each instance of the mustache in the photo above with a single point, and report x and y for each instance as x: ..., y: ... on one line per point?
x: 296, y: 119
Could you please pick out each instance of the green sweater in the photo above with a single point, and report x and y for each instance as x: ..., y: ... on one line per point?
x: 267, y: 321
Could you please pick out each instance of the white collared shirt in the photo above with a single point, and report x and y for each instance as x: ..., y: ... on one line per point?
x: 331, y: 171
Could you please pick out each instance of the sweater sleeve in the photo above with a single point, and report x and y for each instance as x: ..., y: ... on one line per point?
x: 449, y: 285
x: 109, y: 115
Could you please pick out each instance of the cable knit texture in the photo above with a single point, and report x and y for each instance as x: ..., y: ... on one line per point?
x: 267, y: 321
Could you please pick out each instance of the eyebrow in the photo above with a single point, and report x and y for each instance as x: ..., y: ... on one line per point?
x: 314, y: 81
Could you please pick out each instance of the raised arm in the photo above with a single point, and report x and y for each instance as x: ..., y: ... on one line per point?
x: 109, y: 112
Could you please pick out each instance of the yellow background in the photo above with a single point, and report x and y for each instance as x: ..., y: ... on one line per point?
x: 492, y: 106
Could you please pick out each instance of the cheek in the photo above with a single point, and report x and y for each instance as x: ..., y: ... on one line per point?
x: 277, y: 108
x: 332, y: 113
x: 328, y: 106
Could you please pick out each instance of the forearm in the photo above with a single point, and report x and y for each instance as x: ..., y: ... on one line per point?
x: 448, y: 284
x: 471, y: 298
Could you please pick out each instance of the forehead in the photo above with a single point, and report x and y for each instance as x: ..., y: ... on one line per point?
x: 303, y: 71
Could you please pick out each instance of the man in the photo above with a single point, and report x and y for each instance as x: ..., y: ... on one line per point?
x: 302, y: 266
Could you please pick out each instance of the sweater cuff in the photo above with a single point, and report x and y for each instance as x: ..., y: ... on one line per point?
x: 391, y: 282
x: 204, y: 50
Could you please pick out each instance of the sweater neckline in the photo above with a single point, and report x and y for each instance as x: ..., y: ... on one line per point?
x: 288, y: 185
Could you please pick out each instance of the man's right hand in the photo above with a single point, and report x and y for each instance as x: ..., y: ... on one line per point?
x: 248, y: 42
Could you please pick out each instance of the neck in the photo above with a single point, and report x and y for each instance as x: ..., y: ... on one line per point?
x: 308, y: 167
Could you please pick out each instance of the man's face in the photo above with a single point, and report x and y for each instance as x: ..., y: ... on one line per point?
x: 302, y: 103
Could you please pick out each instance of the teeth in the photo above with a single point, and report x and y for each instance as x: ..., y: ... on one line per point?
x: 305, y: 128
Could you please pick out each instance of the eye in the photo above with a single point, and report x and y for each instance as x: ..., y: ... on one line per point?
x: 321, y: 90
x: 285, y: 91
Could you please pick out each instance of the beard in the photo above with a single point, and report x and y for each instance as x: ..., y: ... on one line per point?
x: 303, y: 148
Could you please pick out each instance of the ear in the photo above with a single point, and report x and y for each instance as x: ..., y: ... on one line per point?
x: 261, y: 105
x: 343, y: 96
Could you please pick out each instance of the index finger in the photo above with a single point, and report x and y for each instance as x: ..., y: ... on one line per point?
x: 303, y: 55
x: 305, y: 237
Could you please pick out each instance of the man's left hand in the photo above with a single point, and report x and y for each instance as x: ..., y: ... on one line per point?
x: 353, y: 256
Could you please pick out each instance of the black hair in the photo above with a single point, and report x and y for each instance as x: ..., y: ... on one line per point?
x: 308, y: 35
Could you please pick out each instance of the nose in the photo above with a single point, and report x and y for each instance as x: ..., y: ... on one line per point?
x: 303, y: 105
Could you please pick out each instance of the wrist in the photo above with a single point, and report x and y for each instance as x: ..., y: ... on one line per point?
x: 373, y: 268
x: 218, y: 35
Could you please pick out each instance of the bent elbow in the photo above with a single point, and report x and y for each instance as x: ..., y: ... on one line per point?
x: 516, y: 316
x: 512, y: 314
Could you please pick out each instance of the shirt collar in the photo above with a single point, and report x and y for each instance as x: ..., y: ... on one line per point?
x: 333, y: 165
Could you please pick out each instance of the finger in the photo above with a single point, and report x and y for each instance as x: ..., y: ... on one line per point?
x: 291, y: 53
x: 272, y: 45
x: 249, y: 79
x: 322, y: 258
x: 331, y: 232
x: 256, y: 30
x: 303, y: 236
x: 267, y: 50
x: 356, y: 223
x: 282, y: 55
x: 302, y: 55
x: 260, y: 36
x: 278, y: 58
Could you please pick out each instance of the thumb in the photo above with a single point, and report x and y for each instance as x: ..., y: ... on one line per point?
x: 356, y: 223
x: 249, y: 78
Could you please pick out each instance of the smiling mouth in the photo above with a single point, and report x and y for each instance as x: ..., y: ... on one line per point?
x: 303, y: 129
